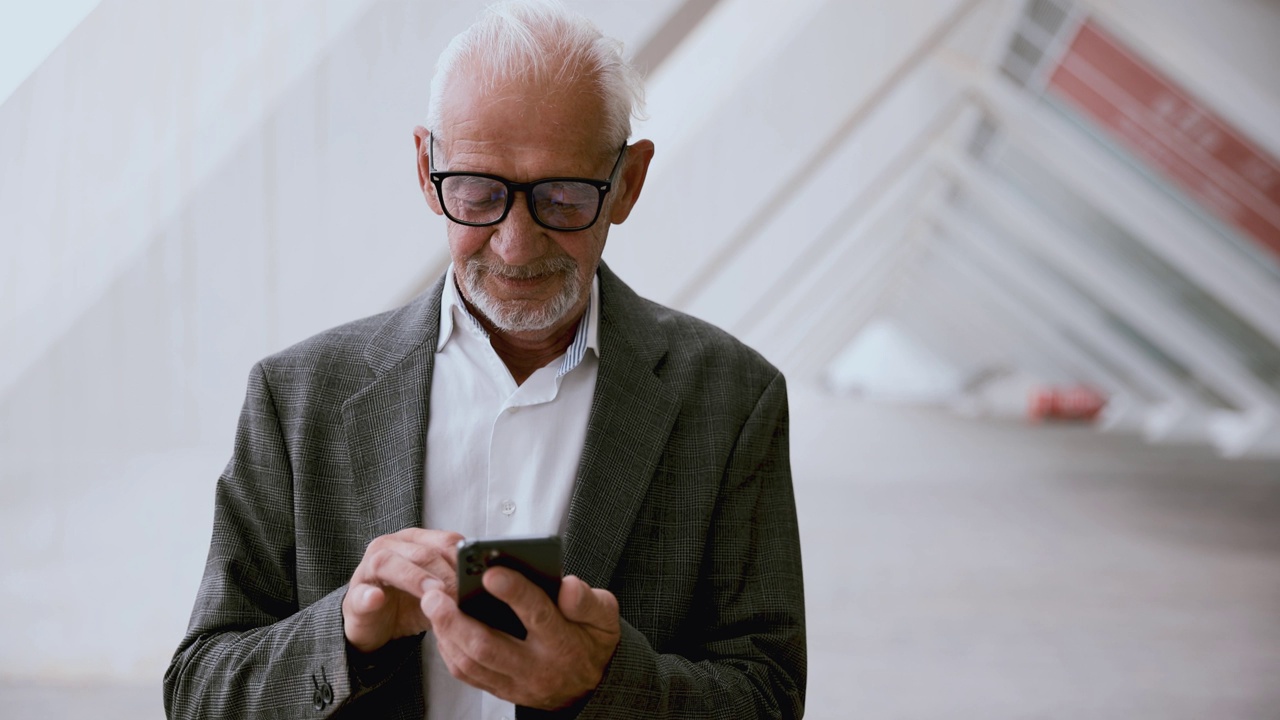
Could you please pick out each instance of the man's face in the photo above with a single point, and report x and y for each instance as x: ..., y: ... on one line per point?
x: 529, y: 281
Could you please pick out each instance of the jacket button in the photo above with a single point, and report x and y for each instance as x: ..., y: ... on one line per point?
x: 323, y: 694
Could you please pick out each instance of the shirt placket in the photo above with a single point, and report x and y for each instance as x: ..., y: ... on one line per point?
x: 513, y: 455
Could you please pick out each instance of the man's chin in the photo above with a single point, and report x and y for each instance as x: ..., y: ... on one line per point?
x: 518, y: 321
x: 522, y: 315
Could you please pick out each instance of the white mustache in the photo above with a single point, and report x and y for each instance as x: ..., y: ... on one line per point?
x: 552, y: 266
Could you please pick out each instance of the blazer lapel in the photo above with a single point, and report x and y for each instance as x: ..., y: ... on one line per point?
x: 632, y: 413
x: 386, y: 422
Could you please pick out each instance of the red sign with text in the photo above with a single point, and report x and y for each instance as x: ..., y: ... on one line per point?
x: 1172, y: 132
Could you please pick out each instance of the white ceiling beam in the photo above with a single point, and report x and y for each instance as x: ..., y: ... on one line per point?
x: 820, y: 329
x: 1156, y: 219
x: 747, y: 159
x: 1126, y: 295
x: 1124, y: 408
x: 1032, y: 325
x: 869, y: 176
x: 1047, y: 295
x: 972, y: 332
x: 1176, y: 414
x: 847, y: 258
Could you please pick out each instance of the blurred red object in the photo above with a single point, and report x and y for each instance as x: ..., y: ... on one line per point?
x: 1078, y: 403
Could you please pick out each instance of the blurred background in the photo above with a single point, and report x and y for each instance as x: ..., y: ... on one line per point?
x: 1020, y: 260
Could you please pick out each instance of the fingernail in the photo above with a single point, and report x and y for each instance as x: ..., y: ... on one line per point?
x: 431, y: 601
x: 431, y: 584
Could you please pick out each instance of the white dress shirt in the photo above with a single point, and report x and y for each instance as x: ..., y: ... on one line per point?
x: 501, y: 458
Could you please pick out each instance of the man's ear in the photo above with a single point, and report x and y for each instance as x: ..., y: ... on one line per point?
x: 422, y: 145
x: 631, y: 180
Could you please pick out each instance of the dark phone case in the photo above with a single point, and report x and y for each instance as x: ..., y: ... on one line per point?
x: 536, y: 558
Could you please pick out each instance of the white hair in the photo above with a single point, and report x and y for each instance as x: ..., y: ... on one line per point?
x: 542, y: 42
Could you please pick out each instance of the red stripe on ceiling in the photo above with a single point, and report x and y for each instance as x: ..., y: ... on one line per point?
x: 1172, y: 133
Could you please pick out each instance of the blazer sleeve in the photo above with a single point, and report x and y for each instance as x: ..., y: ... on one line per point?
x: 750, y: 659
x: 250, y: 649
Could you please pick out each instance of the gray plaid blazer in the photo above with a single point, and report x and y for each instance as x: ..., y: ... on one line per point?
x: 682, y: 507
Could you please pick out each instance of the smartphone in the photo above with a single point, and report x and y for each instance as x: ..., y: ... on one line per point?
x: 537, y: 558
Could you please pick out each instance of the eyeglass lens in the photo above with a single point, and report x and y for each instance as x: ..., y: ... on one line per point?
x: 483, y: 200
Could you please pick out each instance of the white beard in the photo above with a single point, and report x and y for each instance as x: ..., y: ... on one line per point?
x: 522, y: 316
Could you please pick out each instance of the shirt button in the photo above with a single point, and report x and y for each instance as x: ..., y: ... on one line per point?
x: 508, y: 507
x: 513, y: 409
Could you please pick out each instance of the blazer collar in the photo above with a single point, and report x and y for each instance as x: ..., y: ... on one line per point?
x: 408, y: 330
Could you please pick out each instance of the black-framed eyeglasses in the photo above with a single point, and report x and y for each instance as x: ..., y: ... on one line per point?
x: 558, y: 203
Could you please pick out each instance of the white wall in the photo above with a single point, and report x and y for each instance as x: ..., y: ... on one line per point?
x: 185, y: 190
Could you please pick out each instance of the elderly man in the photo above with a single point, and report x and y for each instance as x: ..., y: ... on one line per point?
x: 530, y: 392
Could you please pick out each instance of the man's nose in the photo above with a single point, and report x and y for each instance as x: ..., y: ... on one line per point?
x: 519, y: 239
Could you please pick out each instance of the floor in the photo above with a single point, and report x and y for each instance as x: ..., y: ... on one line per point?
x: 997, y: 570
x: 993, y: 570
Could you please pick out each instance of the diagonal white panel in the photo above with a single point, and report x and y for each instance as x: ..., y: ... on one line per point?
x: 1124, y: 294
x: 847, y: 188
x: 1162, y: 224
x: 1043, y: 293
x: 734, y: 168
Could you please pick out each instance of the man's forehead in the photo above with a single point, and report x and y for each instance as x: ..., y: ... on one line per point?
x: 521, y: 159
x: 565, y: 122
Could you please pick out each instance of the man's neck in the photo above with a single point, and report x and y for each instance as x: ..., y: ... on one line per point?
x: 525, y: 354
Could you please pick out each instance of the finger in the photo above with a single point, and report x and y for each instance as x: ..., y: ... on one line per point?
x: 389, y: 569
x: 450, y: 623
x: 585, y: 605
x: 474, y: 653
x: 471, y: 670
x: 424, y: 555
x: 529, y: 602
x: 363, y: 624
x: 445, y: 542
x: 441, y: 610
x: 574, y: 599
x: 366, y: 599
x: 429, y: 558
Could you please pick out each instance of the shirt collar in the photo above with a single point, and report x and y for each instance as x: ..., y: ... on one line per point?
x: 453, y: 311
x: 588, y: 335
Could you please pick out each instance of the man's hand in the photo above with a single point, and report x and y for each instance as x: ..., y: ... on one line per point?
x: 383, y: 600
x: 562, y: 659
